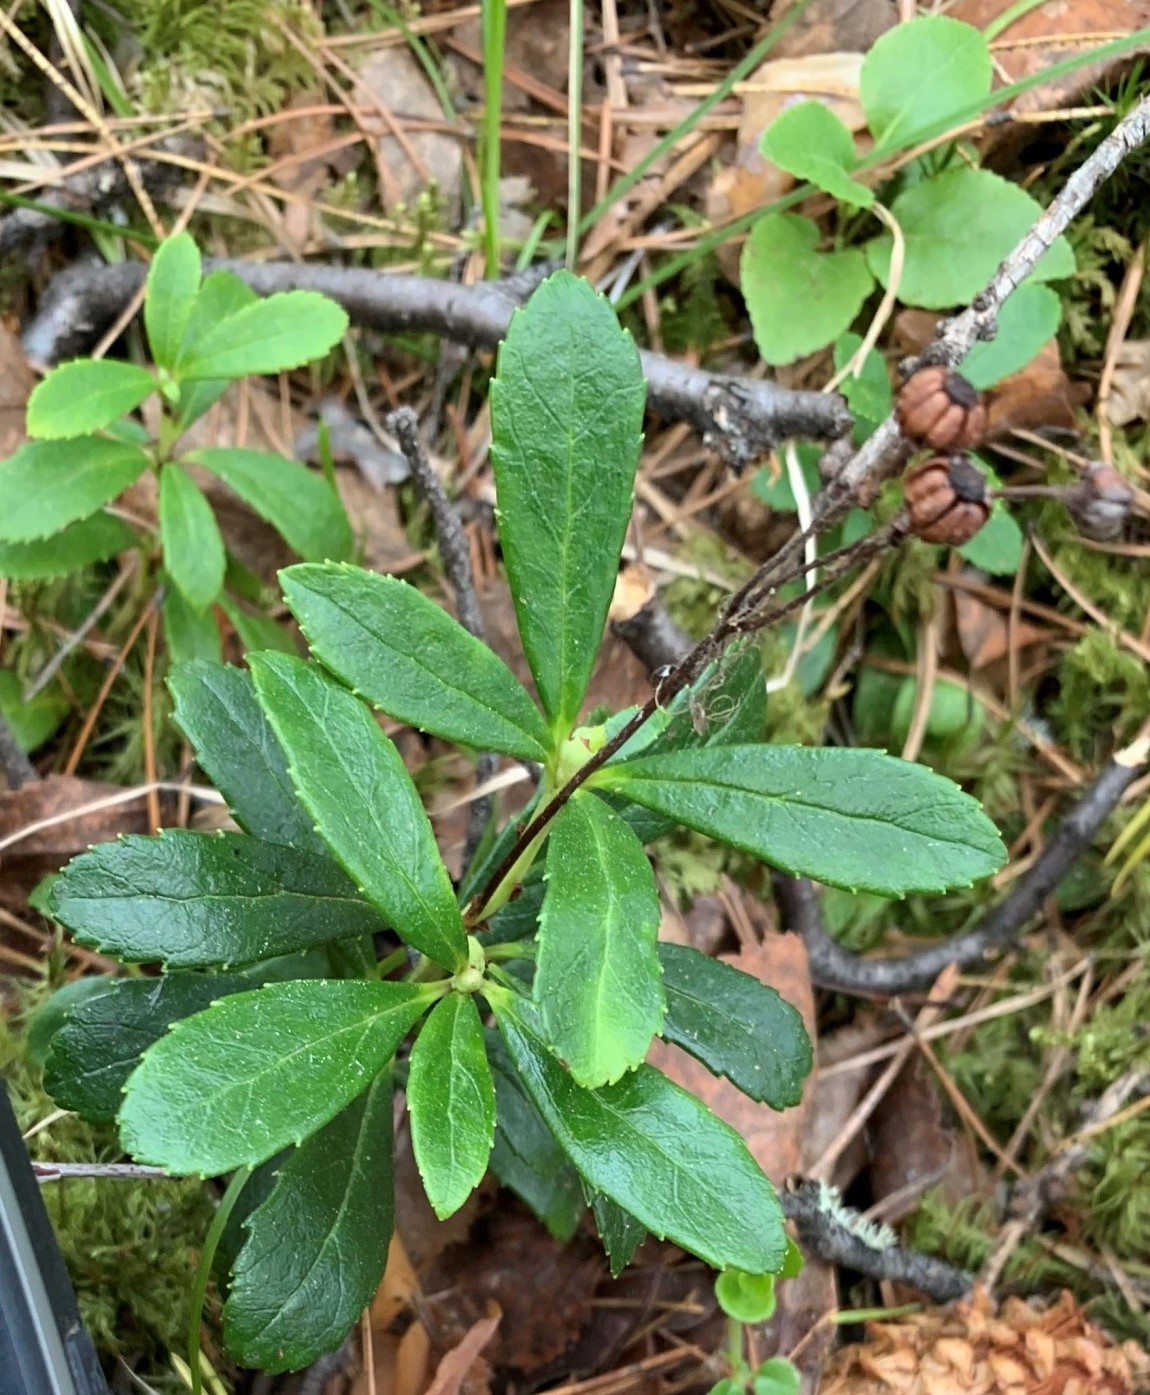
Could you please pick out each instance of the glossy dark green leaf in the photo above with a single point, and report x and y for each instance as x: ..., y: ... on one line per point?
x: 353, y: 782
x: 79, y: 545
x: 103, y: 1038
x: 566, y: 417
x: 735, y: 1025
x: 407, y: 656
x: 46, y: 485
x: 259, y: 1071
x: 316, y: 1248
x: 853, y: 818
x: 85, y: 395
x: 451, y: 1098
x: 193, y: 548
x: 656, y: 1151
x: 597, y: 975
x: 525, y: 1156
x: 190, y: 634
x: 620, y: 1232
x: 284, y: 331
x: 45, y: 1021
x: 173, y: 283
x: 299, y: 503
x: 217, y: 710
x: 191, y: 900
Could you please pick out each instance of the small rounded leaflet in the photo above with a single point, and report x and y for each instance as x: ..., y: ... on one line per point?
x: 947, y: 499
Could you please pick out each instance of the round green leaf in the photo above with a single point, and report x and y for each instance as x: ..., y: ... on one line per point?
x: 1027, y: 321
x: 997, y: 546
x: 812, y: 143
x: 958, y: 227
x: 746, y: 1297
x: 260, y: 1071
x: 916, y: 74
x: 85, y: 395
x: 799, y: 299
x: 46, y: 485
x: 778, y: 1376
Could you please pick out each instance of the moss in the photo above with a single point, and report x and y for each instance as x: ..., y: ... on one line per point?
x: 130, y: 1247
x: 1103, y: 695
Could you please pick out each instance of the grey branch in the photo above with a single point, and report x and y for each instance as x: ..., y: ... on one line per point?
x: 125, y: 1172
x: 743, y: 418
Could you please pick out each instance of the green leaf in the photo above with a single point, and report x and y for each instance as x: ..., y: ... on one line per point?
x: 45, y: 1021
x: 853, y: 818
x: 79, y: 545
x: 352, y: 781
x: 525, y: 1156
x: 917, y: 74
x: 1027, y: 321
x: 190, y: 634
x: 217, y: 710
x: 298, y: 503
x: 104, y: 1037
x: 997, y: 546
x: 173, y: 282
x: 85, y: 395
x: 620, y: 1232
x: 810, y: 142
x: 34, y: 720
x: 566, y: 421
x: 258, y: 1071
x: 746, y: 1297
x: 451, y: 1097
x: 334, y: 1197
x: 778, y: 1376
x: 958, y: 227
x: 799, y: 299
x: 597, y: 978
x: 284, y: 331
x: 868, y: 391
x: 407, y: 656
x: 46, y: 485
x: 193, y: 548
x: 656, y: 1151
x: 221, y: 296
x: 735, y: 1025
x: 190, y: 900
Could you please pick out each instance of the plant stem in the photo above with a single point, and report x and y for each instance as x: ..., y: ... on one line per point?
x: 204, y: 1272
x: 494, y: 42
x: 574, y: 130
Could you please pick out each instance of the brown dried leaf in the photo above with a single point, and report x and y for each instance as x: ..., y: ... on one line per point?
x: 984, y: 632
x: 909, y: 1144
x: 16, y: 382
x: 61, y: 815
x: 834, y: 26
x: 461, y: 1360
x: 1129, y: 398
x: 1037, y: 397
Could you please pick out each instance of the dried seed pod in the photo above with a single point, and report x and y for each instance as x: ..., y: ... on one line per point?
x: 1099, y: 503
x: 940, y: 409
x: 947, y: 499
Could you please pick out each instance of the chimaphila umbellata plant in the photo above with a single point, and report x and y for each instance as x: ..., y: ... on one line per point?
x: 86, y: 449
x: 532, y: 991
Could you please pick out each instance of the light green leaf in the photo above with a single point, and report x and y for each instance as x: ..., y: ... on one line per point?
x: 46, y: 485
x: 526, y: 1157
x: 217, y: 710
x: 1027, y: 321
x: 289, y: 1303
x: 407, y: 656
x: 799, y: 299
x: 259, y: 1071
x: 451, y: 1098
x: 34, y: 720
x: 193, y: 548
x: 868, y: 392
x: 746, y: 1297
x: 221, y: 296
x: 735, y: 1025
x: 656, y: 1151
x: 997, y: 546
x: 810, y: 142
x: 598, y: 983
x: 958, y: 227
x: 353, y: 782
x: 566, y: 421
x: 103, y: 1038
x: 298, y: 503
x: 917, y: 74
x: 85, y: 395
x: 190, y: 900
x: 284, y: 331
x: 79, y: 545
x: 173, y: 281
x: 190, y: 634
x: 256, y: 632
x: 852, y: 818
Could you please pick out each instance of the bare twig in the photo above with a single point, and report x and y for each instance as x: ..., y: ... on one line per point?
x: 404, y: 426
x: 125, y: 1172
x: 741, y: 417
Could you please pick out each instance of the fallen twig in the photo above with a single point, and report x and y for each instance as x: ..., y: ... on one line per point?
x: 743, y: 418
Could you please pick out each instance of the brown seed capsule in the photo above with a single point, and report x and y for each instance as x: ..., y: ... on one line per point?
x: 947, y: 499
x: 940, y: 409
x: 1099, y: 503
